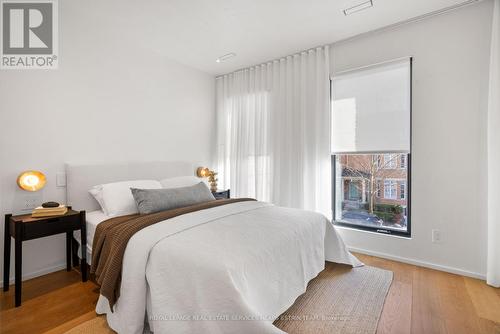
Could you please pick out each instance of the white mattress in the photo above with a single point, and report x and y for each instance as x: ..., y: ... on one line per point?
x: 93, y: 218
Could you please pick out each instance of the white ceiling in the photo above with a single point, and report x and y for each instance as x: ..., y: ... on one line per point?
x: 196, y: 32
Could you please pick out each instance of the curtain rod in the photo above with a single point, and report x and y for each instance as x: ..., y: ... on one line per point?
x: 275, y: 59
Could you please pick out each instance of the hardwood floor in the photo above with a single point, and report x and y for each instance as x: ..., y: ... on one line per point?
x: 420, y: 301
x: 423, y: 300
x: 47, y: 302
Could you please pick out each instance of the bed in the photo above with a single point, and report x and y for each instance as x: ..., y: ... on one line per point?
x: 93, y: 219
x: 228, y: 269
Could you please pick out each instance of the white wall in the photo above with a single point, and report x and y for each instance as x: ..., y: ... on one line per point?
x: 449, y: 135
x: 111, y: 100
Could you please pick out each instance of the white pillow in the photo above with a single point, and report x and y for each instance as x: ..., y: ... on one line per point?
x: 96, y: 191
x: 116, y: 198
x: 180, y: 181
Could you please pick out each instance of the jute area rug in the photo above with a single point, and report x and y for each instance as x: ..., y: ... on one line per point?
x: 340, y: 300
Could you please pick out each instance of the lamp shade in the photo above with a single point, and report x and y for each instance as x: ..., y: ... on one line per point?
x: 31, y: 180
x: 203, y: 172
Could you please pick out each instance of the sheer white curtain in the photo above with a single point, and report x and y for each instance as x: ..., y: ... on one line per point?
x: 273, y: 131
x: 493, y: 269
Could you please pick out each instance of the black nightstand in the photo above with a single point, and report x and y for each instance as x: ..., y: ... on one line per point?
x: 24, y: 227
x: 221, y: 194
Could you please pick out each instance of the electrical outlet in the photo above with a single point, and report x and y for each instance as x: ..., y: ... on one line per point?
x: 436, y: 236
x: 29, y: 202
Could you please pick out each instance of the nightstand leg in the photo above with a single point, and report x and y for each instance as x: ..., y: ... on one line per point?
x: 6, y: 254
x: 83, y: 265
x: 74, y: 251
x: 18, y: 257
x: 68, y: 251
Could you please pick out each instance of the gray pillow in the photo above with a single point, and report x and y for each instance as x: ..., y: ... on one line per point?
x: 155, y: 200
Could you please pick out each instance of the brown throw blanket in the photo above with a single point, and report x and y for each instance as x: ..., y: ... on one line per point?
x: 112, y: 236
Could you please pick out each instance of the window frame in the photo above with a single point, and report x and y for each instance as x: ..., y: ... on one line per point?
x: 408, y: 183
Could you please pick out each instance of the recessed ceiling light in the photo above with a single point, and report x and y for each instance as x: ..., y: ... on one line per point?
x: 357, y: 8
x: 225, y: 57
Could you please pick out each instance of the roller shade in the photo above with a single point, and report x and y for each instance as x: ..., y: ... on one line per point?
x: 371, y: 109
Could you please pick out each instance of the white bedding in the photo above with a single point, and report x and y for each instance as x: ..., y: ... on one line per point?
x: 93, y: 219
x: 199, y: 272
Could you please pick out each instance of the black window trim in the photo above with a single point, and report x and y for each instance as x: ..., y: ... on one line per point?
x: 406, y: 234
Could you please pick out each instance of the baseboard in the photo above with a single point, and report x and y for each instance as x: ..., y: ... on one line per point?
x: 41, y: 272
x: 420, y: 263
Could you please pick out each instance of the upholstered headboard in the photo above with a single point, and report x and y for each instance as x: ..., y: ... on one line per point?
x: 80, y: 178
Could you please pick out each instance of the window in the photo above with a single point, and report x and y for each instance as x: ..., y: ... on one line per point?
x: 390, y: 161
x: 371, y: 150
x: 402, y: 161
x: 390, y: 189
x: 402, y: 190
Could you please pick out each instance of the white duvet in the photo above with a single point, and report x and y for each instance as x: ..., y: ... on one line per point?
x: 228, y: 269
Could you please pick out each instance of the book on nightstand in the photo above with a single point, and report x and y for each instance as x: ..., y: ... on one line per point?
x: 49, y: 212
